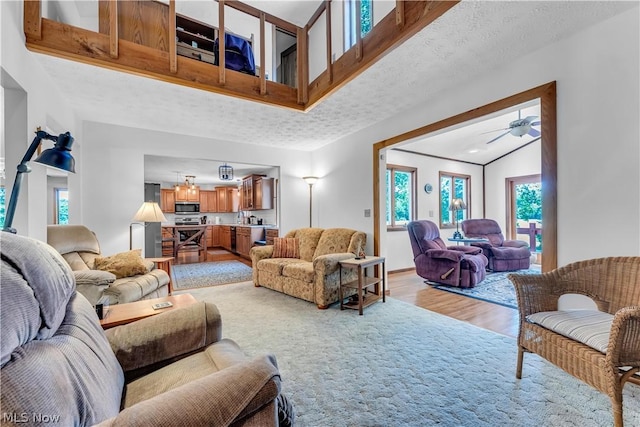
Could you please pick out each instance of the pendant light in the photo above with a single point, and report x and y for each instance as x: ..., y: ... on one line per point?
x: 225, y: 172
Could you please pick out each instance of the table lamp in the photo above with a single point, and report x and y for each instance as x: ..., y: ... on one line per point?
x: 456, y: 206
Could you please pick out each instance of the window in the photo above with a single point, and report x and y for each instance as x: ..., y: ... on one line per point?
x: 401, y: 196
x: 350, y: 22
x: 61, y: 206
x: 453, y: 186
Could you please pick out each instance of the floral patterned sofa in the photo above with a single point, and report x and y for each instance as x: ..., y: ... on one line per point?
x: 312, y: 272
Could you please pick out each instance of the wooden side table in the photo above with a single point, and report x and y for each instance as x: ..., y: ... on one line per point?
x: 363, y: 282
x: 164, y: 263
x: 121, y: 314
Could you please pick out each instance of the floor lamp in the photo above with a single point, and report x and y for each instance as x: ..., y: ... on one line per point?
x: 456, y: 206
x: 148, y: 212
x: 310, y: 180
x: 58, y: 157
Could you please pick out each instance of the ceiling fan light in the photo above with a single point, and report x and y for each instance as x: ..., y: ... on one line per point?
x: 521, y: 130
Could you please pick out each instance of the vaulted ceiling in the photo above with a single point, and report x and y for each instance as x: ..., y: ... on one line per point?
x: 472, y: 38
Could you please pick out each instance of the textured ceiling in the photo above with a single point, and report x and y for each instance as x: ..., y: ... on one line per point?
x: 471, y: 38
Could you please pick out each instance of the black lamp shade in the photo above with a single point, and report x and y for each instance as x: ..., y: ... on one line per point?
x: 60, y: 155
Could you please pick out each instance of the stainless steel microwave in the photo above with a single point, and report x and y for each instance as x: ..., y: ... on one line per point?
x: 187, y: 208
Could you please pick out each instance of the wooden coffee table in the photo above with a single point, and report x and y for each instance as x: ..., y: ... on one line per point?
x: 121, y: 314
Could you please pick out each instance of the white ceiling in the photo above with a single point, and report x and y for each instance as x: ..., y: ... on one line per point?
x: 162, y: 170
x: 471, y: 38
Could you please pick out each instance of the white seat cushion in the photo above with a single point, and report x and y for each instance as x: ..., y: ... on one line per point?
x: 590, y: 327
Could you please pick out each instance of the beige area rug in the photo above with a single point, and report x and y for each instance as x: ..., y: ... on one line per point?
x: 401, y: 365
x: 201, y: 275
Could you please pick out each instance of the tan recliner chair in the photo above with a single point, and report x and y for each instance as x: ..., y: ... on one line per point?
x: 79, y: 247
x: 169, y: 369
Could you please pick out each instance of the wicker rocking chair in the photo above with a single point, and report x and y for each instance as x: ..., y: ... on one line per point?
x: 605, y: 359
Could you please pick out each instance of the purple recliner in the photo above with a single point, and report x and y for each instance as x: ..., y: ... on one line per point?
x: 461, y: 266
x: 504, y: 255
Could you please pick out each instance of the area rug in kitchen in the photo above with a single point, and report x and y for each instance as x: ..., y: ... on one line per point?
x: 200, y: 275
x: 495, y: 288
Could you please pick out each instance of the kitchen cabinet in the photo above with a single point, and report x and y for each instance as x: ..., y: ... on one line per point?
x: 263, y: 193
x: 227, y: 199
x: 225, y: 237
x: 233, y: 199
x: 167, y: 200
x: 188, y: 194
x: 270, y: 234
x: 208, y: 201
x: 213, y: 236
x: 245, y: 236
x: 257, y: 192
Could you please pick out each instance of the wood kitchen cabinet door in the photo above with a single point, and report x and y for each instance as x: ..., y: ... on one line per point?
x: 187, y: 194
x: 215, y: 236
x: 263, y: 193
x: 212, y: 201
x: 243, y: 240
x: 204, y: 202
x: 233, y: 199
x: 208, y: 201
x: 209, y: 237
x: 222, y: 199
x: 225, y: 237
x: 168, y: 200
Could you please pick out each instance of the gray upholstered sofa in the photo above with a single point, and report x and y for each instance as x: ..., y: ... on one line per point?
x: 79, y: 247
x: 314, y: 275
x: 59, y: 367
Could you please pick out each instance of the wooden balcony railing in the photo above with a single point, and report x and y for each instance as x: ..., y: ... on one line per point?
x: 109, y: 48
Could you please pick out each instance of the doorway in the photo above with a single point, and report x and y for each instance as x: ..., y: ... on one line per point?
x: 524, y: 212
x: 546, y: 96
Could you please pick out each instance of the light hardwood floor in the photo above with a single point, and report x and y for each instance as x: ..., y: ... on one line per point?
x: 409, y: 287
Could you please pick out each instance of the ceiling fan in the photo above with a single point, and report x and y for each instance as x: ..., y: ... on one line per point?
x: 520, y: 128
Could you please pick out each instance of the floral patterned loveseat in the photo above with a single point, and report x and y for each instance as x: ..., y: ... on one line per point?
x: 315, y: 275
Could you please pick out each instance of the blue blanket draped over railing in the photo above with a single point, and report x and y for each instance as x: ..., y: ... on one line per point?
x: 238, y: 54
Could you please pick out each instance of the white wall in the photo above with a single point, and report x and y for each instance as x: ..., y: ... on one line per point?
x: 598, y: 138
x: 113, y: 177
x: 45, y: 108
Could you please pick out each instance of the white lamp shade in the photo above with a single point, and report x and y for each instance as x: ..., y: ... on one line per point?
x: 149, y: 212
x: 310, y: 179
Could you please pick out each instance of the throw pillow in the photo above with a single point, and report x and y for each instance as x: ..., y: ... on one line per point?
x: 124, y: 264
x: 286, y: 247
